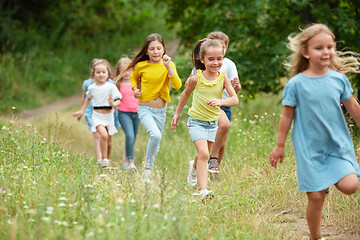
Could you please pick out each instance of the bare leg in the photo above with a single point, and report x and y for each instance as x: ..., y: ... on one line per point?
x: 97, y: 145
x: 348, y: 184
x: 221, y: 135
x: 314, y: 211
x: 202, y: 147
x: 103, y: 141
x: 109, y: 142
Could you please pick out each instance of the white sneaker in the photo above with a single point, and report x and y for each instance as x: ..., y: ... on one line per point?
x: 132, y: 167
x: 204, y: 193
x: 192, y: 179
x: 105, y: 162
x: 146, y: 176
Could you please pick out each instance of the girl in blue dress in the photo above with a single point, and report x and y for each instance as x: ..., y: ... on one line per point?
x: 323, y: 147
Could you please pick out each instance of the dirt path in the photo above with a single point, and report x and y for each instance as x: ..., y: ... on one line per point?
x: 172, y: 48
x: 50, y: 108
x: 297, y: 224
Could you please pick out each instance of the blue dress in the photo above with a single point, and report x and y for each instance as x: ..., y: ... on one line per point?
x: 321, y: 139
x: 89, y: 110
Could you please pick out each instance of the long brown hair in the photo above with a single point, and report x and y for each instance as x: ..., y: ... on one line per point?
x: 142, y: 56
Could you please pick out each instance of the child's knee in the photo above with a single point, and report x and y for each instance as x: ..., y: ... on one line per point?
x: 318, y: 197
x: 155, y: 136
x: 224, y: 125
x: 203, y: 156
x: 349, y: 184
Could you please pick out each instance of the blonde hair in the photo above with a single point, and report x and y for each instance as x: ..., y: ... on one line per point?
x: 124, y: 61
x: 104, y: 62
x: 219, y: 36
x: 344, y: 61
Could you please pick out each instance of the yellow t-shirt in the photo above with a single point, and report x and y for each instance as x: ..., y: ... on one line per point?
x: 205, y: 90
x: 154, y: 80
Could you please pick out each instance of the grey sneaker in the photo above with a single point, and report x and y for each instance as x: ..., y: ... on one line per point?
x: 125, y: 163
x: 146, y: 176
x: 192, y: 179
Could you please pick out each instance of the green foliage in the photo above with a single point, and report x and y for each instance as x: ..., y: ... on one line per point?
x: 258, y: 31
x: 47, y: 45
x: 60, y: 23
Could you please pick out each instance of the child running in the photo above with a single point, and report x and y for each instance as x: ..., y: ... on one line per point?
x: 89, y: 110
x: 323, y: 147
x: 155, y: 70
x: 224, y: 121
x: 104, y: 96
x: 208, y: 87
x: 127, y: 113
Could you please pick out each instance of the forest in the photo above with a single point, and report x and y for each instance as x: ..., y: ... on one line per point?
x: 46, y: 45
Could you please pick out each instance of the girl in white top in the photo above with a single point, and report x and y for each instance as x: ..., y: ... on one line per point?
x: 104, y: 96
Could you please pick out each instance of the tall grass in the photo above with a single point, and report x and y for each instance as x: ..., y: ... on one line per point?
x: 51, y: 187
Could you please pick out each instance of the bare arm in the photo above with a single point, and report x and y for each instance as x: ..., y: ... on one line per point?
x: 285, y: 123
x: 83, y: 96
x: 80, y: 113
x: 353, y: 107
x: 232, y: 101
x: 182, y: 101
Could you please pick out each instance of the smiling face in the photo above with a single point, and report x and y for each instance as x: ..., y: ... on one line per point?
x: 155, y: 52
x: 213, y: 59
x: 101, y: 73
x: 320, y: 51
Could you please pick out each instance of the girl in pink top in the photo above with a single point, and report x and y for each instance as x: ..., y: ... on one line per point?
x: 128, y: 116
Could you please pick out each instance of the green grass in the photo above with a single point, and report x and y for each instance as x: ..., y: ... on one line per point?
x: 51, y: 188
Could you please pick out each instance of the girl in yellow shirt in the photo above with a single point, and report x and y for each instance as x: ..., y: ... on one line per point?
x: 208, y: 87
x: 153, y: 71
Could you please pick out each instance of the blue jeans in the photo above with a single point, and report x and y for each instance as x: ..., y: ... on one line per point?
x: 227, y: 111
x: 130, y: 124
x: 153, y: 119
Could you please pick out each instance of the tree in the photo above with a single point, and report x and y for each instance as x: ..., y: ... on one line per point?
x: 258, y: 31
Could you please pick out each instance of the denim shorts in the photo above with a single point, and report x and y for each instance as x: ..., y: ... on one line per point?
x: 227, y: 111
x: 202, y: 129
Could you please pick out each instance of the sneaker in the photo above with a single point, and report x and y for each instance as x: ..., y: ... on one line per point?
x: 99, y: 161
x: 132, y: 167
x: 105, y: 162
x: 192, y: 179
x: 204, y: 193
x: 146, y: 176
x: 125, y: 163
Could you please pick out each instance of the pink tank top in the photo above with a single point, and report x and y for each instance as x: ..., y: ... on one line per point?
x: 128, y: 102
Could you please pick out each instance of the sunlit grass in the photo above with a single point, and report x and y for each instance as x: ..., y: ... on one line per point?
x: 51, y: 187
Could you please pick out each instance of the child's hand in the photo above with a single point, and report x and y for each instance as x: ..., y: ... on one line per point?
x: 111, y: 101
x: 166, y: 60
x: 137, y: 93
x: 276, y: 154
x: 236, y: 84
x: 174, y: 121
x: 78, y: 115
x: 213, y: 102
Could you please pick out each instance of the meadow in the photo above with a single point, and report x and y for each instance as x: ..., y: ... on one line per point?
x: 52, y: 188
